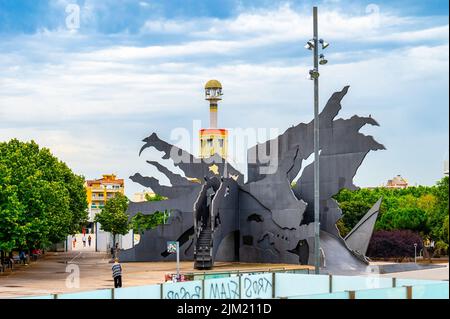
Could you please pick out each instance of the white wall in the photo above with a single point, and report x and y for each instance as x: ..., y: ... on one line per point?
x: 126, y: 241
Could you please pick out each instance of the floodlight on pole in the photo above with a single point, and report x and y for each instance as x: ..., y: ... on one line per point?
x: 313, y: 45
x: 322, y: 60
x: 313, y: 74
x: 310, y: 45
x: 324, y: 44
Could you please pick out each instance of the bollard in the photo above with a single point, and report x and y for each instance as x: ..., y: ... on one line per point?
x: 240, y: 277
x: 203, y: 288
x: 330, y: 283
x: 273, y: 285
x: 409, y: 292
x: 351, y: 294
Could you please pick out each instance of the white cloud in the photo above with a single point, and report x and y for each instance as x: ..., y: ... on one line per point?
x: 286, y: 24
x: 50, y: 80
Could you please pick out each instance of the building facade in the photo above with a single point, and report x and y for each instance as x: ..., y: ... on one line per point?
x: 100, y: 190
x: 140, y: 197
x: 397, y: 182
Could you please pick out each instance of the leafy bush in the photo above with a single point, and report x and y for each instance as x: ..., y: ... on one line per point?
x: 440, y: 249
x: 396, y: 243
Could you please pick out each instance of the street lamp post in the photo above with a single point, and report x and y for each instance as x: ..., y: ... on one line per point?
x: 415, y: 253
x: 313, y: 45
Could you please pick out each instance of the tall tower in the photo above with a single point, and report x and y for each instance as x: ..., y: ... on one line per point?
x: 213, y: 139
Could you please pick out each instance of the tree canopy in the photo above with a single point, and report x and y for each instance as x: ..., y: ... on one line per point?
x: 114, y: 218
x: 421, y: 209
x: 41, y: 199
x: 140, y: 222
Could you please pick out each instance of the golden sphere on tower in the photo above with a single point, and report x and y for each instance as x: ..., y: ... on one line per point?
x: 213, y: 84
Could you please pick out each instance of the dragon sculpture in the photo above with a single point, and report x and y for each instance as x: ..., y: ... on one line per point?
x: 216, y: 216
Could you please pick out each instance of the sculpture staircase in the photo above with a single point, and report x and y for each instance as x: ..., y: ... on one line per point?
x: 203, y: 250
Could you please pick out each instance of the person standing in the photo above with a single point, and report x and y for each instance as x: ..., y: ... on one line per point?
x: 89, y: 240
x: 84, y: 240
x: 23, y: 257
x: 117, y: 273
x: 74, y: 242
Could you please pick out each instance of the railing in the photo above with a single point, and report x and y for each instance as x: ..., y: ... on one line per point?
x: 203, y: 275
x: 275, y: 285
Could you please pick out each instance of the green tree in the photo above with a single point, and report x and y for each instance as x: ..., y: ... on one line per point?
x: 154, y: 198
x: 11, y: 210
x: 422, y: 209
x: 437, y: 220
x: 114, y: 218
x: 410, y: 218
x: 445, y: 230
x: 140, y: 222
x: 41, y: 199
x: 427, y: 202
x: 352, y: 211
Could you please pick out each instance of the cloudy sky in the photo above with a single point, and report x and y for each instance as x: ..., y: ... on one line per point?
x: 91, y: 92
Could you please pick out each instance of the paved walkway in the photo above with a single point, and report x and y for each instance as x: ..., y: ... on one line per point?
x: 48, y: 275
x: 427, y: 274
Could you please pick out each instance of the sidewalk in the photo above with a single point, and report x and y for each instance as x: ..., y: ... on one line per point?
x: 48, y: 275
x: 428, y: 274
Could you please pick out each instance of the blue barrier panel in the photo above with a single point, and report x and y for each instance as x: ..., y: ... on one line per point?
x: 382, y: 293
x: 95, y: 294
x: 139, y: 292
x: 343, y: 283
x: 297, y: 284
x: 431, y: 291
x: 222, y: 288
x: 213, y: 276
x: 334, y: 295
x: 412, y: 282
x: 183, y: 290
x: 38, y: 297
x: 256, y: 286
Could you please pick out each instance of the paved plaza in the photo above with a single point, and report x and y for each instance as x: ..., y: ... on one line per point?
x: 48, y: 275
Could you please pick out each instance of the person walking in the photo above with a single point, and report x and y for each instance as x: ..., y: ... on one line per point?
x: 84, y: 240
x: 74, y: 242
x: 89, y: 240
x: 117, y: 273
x: 23, y: 257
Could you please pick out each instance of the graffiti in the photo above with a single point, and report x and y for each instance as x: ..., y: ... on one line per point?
x: 185, y: 293
x: 224, y: 290
x: 257, y: 287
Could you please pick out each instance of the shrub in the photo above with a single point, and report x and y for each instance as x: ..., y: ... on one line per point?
x: 396, y: 243
x: 440, y: 249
